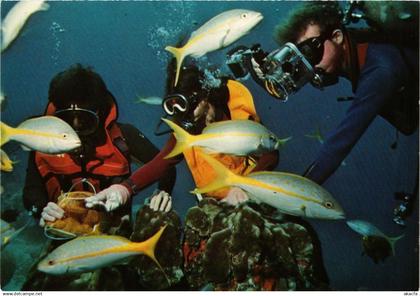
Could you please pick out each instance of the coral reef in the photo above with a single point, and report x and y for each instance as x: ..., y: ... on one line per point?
x: 247, y: 247
x: 168, y: 251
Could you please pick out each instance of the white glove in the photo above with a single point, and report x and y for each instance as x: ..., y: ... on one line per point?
x: 235, y: 196
x: 111, y: 198
x: 51, y: 213
x: 161, y: 201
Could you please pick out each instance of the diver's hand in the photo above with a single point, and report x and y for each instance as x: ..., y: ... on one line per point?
x: 235, y: 196
x: 111, y: 198
x: 161, y: 201
x: 51, y: 213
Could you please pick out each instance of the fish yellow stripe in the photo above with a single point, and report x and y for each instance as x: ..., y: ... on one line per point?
x: 286, y: 174
x: 227, y: 178
x: 129, y: 247
x: 199, y: 37
x: 147, y: 247
x: 18, y: 131
x: 253, y: 182
x: 228, y: 134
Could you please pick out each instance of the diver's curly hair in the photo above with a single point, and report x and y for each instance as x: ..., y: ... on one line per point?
x: 326, y: 14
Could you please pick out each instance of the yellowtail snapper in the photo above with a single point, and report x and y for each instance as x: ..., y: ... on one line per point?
x: 289, y: 193
x: 47, y: 134
x: 238, y: 137
x: 88, y: 253
x: 16, y: 19
x: 220, y: 31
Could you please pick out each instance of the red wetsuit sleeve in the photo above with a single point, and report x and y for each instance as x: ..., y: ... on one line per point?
x: 153, y: 170
x: 267, y: 161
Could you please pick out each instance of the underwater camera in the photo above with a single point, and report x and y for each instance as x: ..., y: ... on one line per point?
x: 283, y: 71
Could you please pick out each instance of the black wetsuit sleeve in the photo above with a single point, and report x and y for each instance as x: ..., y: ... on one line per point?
x: 35, y: 196
x: 142, y: 150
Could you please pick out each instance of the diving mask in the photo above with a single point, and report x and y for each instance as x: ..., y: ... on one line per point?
x: 83, y: 121
x: 181, y: 109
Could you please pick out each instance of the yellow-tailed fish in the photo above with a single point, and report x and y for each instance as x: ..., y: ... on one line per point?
x: 238, y: 137
x: 289, y: 193
x: 220, y: 31
x: 368, y: 229
x: 16, y: 19
x: 8, y: 232
x: 88, y: 253
x: 47, y: 134
x: 6, y: 163
x: 317, y: 135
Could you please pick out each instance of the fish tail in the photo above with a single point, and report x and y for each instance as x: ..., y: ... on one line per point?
x: 44, y: 6
x: 225, y: 177
x: 183, y: 139
x: 281, y: 142
x: 179, y: 56
x: 393, y: 240
x: 148, y: 248
x: 5, y: 133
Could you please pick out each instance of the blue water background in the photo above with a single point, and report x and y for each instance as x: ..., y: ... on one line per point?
x: 124, y: 42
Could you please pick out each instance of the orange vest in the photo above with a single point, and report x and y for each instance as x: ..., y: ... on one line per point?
x: 109, y: 161
x: 241, y: 106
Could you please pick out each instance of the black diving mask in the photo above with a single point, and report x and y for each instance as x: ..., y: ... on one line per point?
x: 292, y: 66
x: 181, y: 109
x: 84, y: 121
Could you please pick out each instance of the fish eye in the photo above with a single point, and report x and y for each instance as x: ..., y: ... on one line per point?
x: 328, y: 205
x: 244, y: 15
x: 65, y: 136
x: 51, y: 262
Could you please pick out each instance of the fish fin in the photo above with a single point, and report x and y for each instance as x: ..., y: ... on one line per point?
x: 393, y: 240
x: 25, y: 148
x: 179, y: 56
x: 44, y: 6
x: 404, y: 16
x: 183, y: 139
x: 222, y: 42
x: 5, y: 133
x: 151, y: 246
x: 224, y: 177
x: 139, y: 100
x: 281, y: 142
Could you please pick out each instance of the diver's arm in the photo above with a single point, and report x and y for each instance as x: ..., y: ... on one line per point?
x: 35, y: 196
x: 143, y: 150
x: 267, y: 162
x: 376, y: 85
x: 153, y: 169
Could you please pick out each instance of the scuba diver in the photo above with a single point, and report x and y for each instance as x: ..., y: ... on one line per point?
x: 193, y: 105
x: 80, y: 97
x: 318, y: 48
